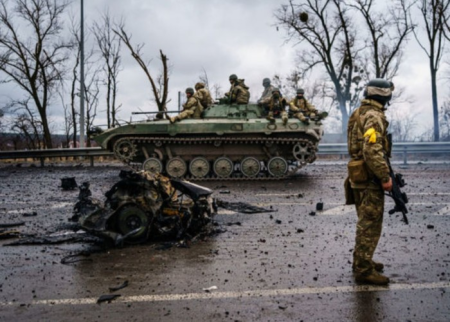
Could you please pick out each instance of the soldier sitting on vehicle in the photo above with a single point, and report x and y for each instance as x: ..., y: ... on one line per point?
x: 238, y: 93
x: 275, y: 107
x: 203, y: 95
x: 191, y: 109
x: 267, y: 93
x: 300, y: 108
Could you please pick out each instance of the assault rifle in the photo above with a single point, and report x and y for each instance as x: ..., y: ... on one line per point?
x: 400, y: 198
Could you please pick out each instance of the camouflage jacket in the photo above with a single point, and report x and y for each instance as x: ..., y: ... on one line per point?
x: 239, y: 93
x: 204, y: 96
x: 193, y: 104
x: 301, y: 105
x: 266, y: 95
x: 367, y: 138
x: 276, y: 104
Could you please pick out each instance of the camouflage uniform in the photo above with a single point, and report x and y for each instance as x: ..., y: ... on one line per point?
x: 267, y: 93
x: 277, y: 108
x: 239, y: 93
x: 300, y: 107
x: 191, y: 109
x: 368, y: 196
x: 203, y: 95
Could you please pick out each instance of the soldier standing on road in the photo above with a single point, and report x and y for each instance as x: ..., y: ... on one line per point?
x: 276, y: 107
x: 191, y: 109
x: 267, y: 93
x: 238, y: 93
x: 369, y: 177
x: 301, y: 108
x: 203, y: 95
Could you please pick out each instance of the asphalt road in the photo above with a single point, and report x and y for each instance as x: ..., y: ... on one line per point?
x: 287, y: 265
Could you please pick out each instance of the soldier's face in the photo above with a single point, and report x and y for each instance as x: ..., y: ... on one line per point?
x: 188, y: 95
x: 300, y: 95
x: 231, y: 81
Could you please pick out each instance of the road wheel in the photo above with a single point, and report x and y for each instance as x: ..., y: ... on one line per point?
x: 250, y: 167
x: 223, y: 167
x: 199, y: 167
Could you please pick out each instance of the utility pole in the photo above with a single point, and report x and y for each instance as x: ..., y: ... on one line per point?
x: 82, y: 125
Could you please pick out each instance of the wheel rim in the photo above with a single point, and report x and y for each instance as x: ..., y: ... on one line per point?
x: 130, y: 218
x: 124, y: 150
x: 277, y: 166
x: 152, y: 165
x: 176, y: 167
x: 199, y: 167
x: 250, y: 167
x: 223, y: 167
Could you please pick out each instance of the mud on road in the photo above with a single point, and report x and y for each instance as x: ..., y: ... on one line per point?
x: 292, y: 264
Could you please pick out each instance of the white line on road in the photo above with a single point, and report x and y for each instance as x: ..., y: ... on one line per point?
x: 244, y: 294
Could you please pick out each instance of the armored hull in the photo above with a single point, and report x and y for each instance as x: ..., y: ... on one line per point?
x: 229, y: 142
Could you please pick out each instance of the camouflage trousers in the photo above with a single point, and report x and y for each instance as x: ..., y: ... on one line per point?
x: 369, y: 208
x: 301, y: 115
x: 185, y: 115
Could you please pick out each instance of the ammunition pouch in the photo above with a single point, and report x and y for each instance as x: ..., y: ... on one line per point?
x: 349, y: 197
x: 357, y: 171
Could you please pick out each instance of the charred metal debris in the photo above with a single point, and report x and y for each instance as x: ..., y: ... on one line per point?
x: 143, y: 206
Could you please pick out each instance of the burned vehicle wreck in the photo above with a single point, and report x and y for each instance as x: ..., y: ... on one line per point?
x: 143, y: 206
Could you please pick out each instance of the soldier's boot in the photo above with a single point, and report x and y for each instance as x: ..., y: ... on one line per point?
x: 372, y: 278
x: 285, y: 120
x: 377, y: 266
x: 270, y: 117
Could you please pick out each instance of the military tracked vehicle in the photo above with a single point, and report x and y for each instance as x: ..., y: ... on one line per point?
x: 229, y: 142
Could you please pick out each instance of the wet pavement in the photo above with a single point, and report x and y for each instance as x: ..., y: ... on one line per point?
x: 293, y: 264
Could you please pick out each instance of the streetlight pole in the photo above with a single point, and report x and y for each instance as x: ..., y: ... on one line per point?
x: 82, y: 125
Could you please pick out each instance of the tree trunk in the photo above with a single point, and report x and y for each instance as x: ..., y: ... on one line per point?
x: 435, y: 105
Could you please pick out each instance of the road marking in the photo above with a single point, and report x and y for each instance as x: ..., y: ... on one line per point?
x: 243, y: 294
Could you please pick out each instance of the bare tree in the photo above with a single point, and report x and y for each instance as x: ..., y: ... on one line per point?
x: 26, y: 124
x: 34, y: 62
x: 325, y: 26
x: 434, y: 14
x: 109, y: 44
x: 217, y: 90
x: 161, y: 86
x: 92, y: 90
x: 402, y: 126
x: 387, y: 33
x: 444, y: 120
x: 204, y: 78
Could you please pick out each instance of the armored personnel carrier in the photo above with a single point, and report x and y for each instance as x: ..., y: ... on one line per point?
x: 229, y: 142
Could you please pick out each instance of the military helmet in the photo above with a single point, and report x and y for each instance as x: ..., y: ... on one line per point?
x: 233, y: 77
x: 189, y: 90
x: 379, y: 90
x: 275, y: 90
x: 199, y: 85
x: 300, y: 91
x: 266, y: 81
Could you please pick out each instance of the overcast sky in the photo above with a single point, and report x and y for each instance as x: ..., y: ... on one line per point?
x: 223, y: 38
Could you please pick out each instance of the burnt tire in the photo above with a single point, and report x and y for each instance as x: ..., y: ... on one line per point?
x: 131, y: 217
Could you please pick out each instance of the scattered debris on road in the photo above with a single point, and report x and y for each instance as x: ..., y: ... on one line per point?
x: 107, y: 298
x: 121, y: 286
